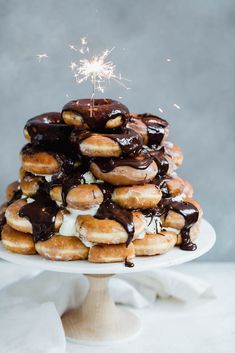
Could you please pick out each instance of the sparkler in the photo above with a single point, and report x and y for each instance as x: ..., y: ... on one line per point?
x: 98, y: 69
x: 177, y: 106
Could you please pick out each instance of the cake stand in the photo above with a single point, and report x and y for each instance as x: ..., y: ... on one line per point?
x: 98, y: 320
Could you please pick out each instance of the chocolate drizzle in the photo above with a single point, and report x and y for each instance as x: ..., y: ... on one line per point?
x: 108, y: 164
x: 190, y: 214
x: 108, y: 210
x: 129, y: 141
x: 96, y: 114
x: 159, y: 157
x: 65, y: 158
x: 42, y: 215
x: 129, y: 263
x: 155, y: 128
x: 48, y: 128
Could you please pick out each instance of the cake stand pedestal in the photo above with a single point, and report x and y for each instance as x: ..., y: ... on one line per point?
x: 98, y: 320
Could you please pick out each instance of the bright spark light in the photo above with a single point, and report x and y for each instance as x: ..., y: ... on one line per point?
x: 41, y: 56
x: 160, y: 110
x: 98, y: 69
x: 168, y: 60
x: 176, y: 106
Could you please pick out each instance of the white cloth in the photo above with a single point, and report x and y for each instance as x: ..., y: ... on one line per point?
x: 30, y: 308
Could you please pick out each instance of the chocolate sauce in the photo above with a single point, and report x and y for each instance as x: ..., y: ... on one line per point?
x: 65, y: 158
x: 42, y: 215
x: 108, y: 210
x: 155, y: 128
x: 159, y: 157
x: 129, y: 263
x: 96, y: 113
x: 190, y: 214
x: 129, y: 141
x: 48, y: 128
x: 108, y: 164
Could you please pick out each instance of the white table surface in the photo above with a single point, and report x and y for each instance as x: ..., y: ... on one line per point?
x: 204, y: 326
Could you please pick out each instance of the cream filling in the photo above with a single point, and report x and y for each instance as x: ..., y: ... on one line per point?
x: 153, y: 225
x: 173, y: 230
x: 68, y: 227
x: 90, y: 179
x: 179, y: 197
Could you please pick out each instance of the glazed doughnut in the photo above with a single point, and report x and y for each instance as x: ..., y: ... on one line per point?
x: 175, y: 152
x: 104, y: 113
x: 151, y: 128
x: 126, y: 171
x: 82, y: 197
x: 155, y: 244
x: 171, y: 186
x: 106, y: 145
x: 17, y: 242
x: 111, y: 253
x: 174, y: 218
x: 39, y: 162
x: 30, y: 184
x: 137, y: 196
x: 47, y: 128
x: 108, y: 231
x: 188, y: 189
x: 62, y: 248
x: 22, y: 224
x: 11, y: 190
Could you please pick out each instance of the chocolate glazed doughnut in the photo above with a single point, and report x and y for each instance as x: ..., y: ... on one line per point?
x: 47, y: 128
x: 97, y: 114
x: 125, y: 171
x: 106, y: 145
x: 153, y: 129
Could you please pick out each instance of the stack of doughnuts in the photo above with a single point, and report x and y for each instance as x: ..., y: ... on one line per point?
x: 99, y: 183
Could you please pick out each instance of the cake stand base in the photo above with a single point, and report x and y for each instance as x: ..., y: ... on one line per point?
x: 98, y: 320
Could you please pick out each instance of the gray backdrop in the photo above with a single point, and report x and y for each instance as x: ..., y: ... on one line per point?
x: 198, y: 37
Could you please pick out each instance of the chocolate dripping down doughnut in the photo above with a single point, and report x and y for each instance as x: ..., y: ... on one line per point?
x: 190, y: 214
x: 96, y: 114
x: 65, y: 158
x: 47, y: 129
x: 152, y: 128
x: 109, y: 210
x: 159, y: 157
x: 128, y: 140
x: 42, y: 215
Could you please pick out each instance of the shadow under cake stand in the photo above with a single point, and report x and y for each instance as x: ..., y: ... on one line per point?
x: 98, y: 320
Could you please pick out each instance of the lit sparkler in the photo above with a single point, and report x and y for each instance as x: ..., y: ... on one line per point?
x: 98, y: 69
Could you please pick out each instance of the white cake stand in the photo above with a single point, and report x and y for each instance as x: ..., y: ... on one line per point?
x: 98, y: 320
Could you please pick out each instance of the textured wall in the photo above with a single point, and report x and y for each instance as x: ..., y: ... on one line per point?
x: 198, y: 36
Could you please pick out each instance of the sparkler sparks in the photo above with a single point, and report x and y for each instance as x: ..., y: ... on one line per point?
x: 98, y: 69
x: 41, y: 56
x: 160, y: 110
x: 176, y: 106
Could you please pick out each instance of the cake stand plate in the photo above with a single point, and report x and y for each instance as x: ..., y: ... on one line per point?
x: 98, y: 320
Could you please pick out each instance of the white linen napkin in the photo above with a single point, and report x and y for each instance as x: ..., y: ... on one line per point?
x: 31, y: 307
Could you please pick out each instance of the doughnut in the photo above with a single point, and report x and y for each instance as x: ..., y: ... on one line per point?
x: 17, y: 242
x: 106, y: 145
x: 181, y: 215
x: 82, y: 197
x: 39, y: 218
x: 155, y: 244
x: 188, y: 189
x: 125, y: 171
x: 3, y: 208
x: 62, y: 248
x: 171, y: 186
x: 97, y: 114
x: 108, y: 231
x: 111, y: 253
x: 47, y: 128
x: 38, y: 161
x: 137, y: 196
x: 175, y: 152
x: 12, y: 191
x: 151, y: 128
x: 30, y: 184
x: 164, y: 161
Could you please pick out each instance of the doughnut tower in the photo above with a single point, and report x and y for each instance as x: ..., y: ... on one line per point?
x: 98, y: 183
